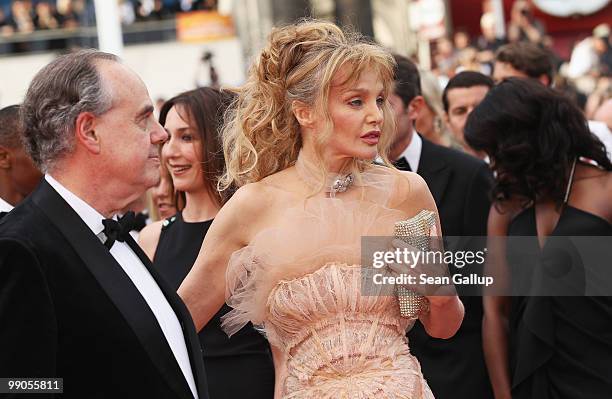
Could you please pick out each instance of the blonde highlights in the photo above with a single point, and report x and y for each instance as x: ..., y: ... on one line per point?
x: 261, y: 135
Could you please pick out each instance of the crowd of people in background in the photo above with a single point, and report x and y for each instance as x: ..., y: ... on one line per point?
x: 27, y: 16
x: 23, y: 22
x: 586, y: 76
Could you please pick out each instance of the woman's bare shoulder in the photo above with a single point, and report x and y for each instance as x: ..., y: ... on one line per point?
x: 592, y: 190
x: 501, y: 214
x: 411, y: 193
x: 249, y: 200
x: 148, y: 238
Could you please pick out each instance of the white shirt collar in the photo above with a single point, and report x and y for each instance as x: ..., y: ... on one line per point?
x: 5, y: 206
x: 91, y: 217
x: 412, y: 153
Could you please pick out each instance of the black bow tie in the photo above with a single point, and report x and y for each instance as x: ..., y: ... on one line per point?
x: 402, y: 164
x: 117, y: 230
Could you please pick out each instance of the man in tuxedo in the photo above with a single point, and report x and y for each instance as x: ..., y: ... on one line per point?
x: 80, y: 300
x: 18, y: 174
x: 459, y: 183
x: 462, y: 94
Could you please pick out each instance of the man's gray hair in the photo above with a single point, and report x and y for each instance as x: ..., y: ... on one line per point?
x: 59, y: 92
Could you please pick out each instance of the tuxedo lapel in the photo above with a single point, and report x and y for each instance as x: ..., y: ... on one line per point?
x: 115, y: 282
x: 189, y: 333
x: 434, y: 170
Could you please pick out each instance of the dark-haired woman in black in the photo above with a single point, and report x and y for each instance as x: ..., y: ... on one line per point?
x: 553, y: 183
x: 241, y: 366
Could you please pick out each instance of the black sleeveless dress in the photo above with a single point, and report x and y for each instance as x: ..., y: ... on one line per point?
x: 560, y: 345
x: 240, y: 367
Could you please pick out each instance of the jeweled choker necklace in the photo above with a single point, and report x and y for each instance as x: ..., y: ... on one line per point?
x: 334, y: 182
x: 342, y: 184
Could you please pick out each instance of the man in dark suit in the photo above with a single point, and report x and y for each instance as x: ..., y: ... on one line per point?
x: 79, y: 299
x: 459, y: 183
x: 18, y: 174
x: 462, y: 94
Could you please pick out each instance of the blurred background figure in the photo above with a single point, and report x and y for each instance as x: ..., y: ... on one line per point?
x: 430, y: 122
x: 461, y: 40
x: 603, y: 49
x: 445, y: 57
x: 591, y: 59
x: 194, y: 158
x: 45, y: 16
x: 601, y: 125
x: 523, y: 25
x: 524, y: 60
x: 163, y: 196
x: 206, y: 73
x: 461, y: 95
x: 488, y: 43
x: 21, y: 14
x: 604, y: 113
x: 6, y: 26
x: 468, y: 60
x: 552, y: 179
x: 601, y: 93
x: 18, y: 174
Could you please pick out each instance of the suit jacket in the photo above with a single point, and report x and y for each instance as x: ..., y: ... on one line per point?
x: 67, y: 309
x: 460, y: 185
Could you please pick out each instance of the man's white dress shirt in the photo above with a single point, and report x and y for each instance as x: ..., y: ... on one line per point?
x: 5, y: 206
x: 412, y: 153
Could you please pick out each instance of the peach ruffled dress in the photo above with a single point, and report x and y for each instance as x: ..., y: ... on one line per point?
x: 301, y: 283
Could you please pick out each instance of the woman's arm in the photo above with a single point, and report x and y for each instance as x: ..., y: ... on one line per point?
x: 444, y: 317
x: 497, y: 308
x: 445, y: 308
x: 280, y: 366
x: 203, y: 290
x: 495, y: 344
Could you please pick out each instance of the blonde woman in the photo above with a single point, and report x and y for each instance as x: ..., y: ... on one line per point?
x: 285, y: 249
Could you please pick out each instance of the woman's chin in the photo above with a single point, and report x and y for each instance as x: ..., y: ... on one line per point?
x: 368, y: 154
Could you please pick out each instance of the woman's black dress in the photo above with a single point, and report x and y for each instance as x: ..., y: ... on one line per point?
x: 236, y: 367
x: 560, y: 338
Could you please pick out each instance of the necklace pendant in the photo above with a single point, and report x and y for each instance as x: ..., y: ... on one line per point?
x: 342, y: 184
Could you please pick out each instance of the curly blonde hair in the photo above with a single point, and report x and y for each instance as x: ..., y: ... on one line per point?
x: 261, y: 135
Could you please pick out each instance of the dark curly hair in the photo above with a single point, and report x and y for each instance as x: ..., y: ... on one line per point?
x: 532, y: 134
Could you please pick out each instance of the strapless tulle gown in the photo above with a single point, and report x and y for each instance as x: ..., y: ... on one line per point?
x: 301, y: 282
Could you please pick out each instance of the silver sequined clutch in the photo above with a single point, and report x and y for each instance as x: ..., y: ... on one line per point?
x: 415, y: 232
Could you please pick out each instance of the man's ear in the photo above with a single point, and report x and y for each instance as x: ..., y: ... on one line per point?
x: 6, y: 157
x: 303, y: 113
x: 446, y: 118
x: 86, y: 135
x: 415, y: 107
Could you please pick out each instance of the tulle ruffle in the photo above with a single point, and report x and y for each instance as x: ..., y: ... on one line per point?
x: 319, y: 231
x: 301, y: 283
